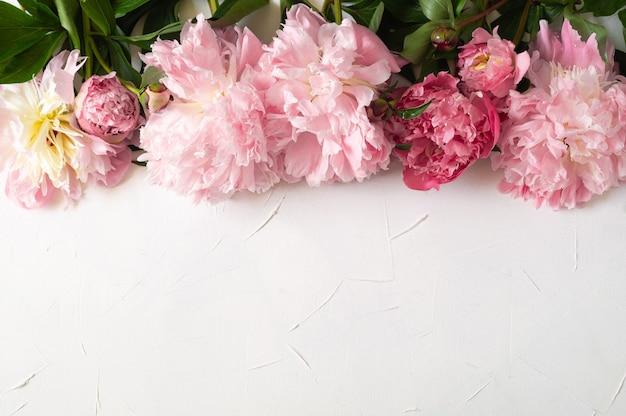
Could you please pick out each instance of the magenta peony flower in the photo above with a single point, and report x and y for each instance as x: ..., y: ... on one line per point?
x: 489, y: 64
x: 565, y: 138
x: 326, y: 75
x: 448, y: 137
x: 106, y: 109
x: 43, y: 148
x: 209, y: 141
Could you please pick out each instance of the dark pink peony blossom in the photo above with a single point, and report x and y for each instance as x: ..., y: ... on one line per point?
x: 454, y: 131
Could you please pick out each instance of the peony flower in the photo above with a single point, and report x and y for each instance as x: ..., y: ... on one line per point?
x: 565, y: 138
x: 43, y: 148
x: 106, y: 109
x: 453, y: 132
x: 209, y: 141
x: 564, y: 49
x: 326, y: 75
x: 489, y: 64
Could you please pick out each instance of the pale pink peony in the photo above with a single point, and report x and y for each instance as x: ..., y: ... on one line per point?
x: 565, y: 138
x: 42, y: 148
x: 106, y: 109
x: 489, y: 64
x: 326, y: 77
x: 209, y: 141
x: 448, y: 137
x: 564, y: 49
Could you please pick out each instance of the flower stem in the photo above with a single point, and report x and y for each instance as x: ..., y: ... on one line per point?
x: 451, y: 66
x: 87, y: 46
x: 213, y: 5
x: 337, y: 10
x: 97, y: 55
x: 522, y: 23
x: 480, y: 15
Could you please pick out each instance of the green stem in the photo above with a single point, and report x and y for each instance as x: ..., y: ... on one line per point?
x: 451, y: 66
x: 213, y: 5
x: 522, y: 23
x: 337, y: 10
x: 130, y: 86
x: 324, y: 6
x: 87, y: 46
x: 480, y: 15
x: 97, y: 55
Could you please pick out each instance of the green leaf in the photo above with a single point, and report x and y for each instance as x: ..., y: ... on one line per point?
x: 458, y: 6
x: 160, y: 13
x: 101, y: 13
x: 435, y: 9
x: 121, y: 63
x: 232, y: 11
x: 151, y: 75
x: 363, y: 11
x: 552, y: 13
x: 377, y: 17
x: 417, y: 44
x: 602, y: 8
x: 19, y: 31
x: 144, y: 41
x: 406, y: 12
x: 68, y: 9
x: 411, y: 113
x: 23, y: 66
x: 40, y: 12
x: 121, y: 7
x: 404, y: 146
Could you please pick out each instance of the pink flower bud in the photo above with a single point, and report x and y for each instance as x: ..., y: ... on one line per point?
x: 155, y: 98
x: 106, y: 109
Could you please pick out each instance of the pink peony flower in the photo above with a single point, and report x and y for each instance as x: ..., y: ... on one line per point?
x: 209, y: 141
x: 43, y: 148
x: 565, y: 50
x: 106, y: 109
x: 489, y: 64
x: 565, y: 138
x: 448, y: 137
x: 326, y: 75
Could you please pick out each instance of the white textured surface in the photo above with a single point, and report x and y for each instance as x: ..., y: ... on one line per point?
x: 350, y: 299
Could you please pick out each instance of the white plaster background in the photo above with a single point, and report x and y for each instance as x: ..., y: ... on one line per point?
x: 349, y: 299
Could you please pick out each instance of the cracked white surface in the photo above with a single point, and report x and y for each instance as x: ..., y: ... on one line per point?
x: 348, y: 299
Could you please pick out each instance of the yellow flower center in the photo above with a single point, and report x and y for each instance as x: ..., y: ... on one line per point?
x: 480, y: 62
x: 51, y: 139
x: 48, y: 144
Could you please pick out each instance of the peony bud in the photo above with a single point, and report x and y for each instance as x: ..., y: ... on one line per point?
x: 444, y: 39
x: 106, y: 109
x: 155, y: 97
x: 379, y: 109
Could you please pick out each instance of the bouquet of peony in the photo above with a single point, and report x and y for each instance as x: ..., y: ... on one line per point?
x: 88, y: 87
